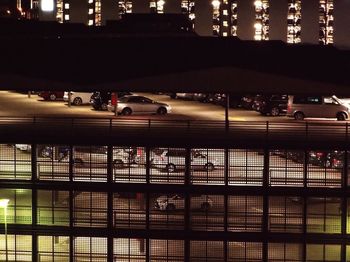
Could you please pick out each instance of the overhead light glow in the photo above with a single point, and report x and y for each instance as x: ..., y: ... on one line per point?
x: 4, y: 202
x: 47, y: 5
x: 216, y: 3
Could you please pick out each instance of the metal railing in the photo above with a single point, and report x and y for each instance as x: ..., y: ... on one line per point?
x: 270, y: 130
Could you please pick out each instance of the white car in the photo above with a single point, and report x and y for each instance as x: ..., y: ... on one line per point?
x: 122, y: 157
x: 174, y: 160
x: 135, y: 104
x: 78, y: 98
x: 24, y: 147
x: 174, y: 202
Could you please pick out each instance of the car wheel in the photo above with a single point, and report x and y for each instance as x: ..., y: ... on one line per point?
x: 117, y: 163
x: 209, y: 167
x: 104, y: 107
x: 275, y: 111
x: 170, y: 207
x: 170, y: 168
x: 341, y: 116
x: 162, y: 111
x: 205, y: 206
x: 77, y: 101
x: 299, y: 116
x: 126, y: 111
x: 52, y: 97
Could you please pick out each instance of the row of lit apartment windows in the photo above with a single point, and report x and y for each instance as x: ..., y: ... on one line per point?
x: 57, y: 248
x: 167, y: 210
x: 199, y: 166
x: 225, y: 16
x: 225, y: 19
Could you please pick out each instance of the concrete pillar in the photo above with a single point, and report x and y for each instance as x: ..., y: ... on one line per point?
x: 109, y: 10
x: 141, y: 6
x: 309, y: 21
x: 204, y: 15
x: 246, y: 19
x: 278, y: 20
x: 341, y: 23
x: 79, y: 11
x: 172, y: 6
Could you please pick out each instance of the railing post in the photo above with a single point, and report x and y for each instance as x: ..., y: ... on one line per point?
x: 110, y: 126
x: 306, y: 131
x: 149, y: 123
x: 267, y: 131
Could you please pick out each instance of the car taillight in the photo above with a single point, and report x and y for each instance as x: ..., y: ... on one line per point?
x: 319, y: 154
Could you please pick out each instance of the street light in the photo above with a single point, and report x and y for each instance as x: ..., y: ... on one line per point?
x: 3, y: 204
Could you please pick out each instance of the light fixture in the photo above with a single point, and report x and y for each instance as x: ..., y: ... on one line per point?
x: 4, y: 203
x: 216, y: 3
x: 258, y: 26
x: 258, y: 3
x: 47, y: 5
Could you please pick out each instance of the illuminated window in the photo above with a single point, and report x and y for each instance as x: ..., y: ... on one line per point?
x: 326, y: 22
x: 62, y: 14
x: 216, y: 17
x: 188, y: 7
x: 157, y: 6
x: 47, y: 5
x: 261, y: 25
x: 124, y: 7
x: 94, y: 13
x: 294, y: 22
x: 225, y: 17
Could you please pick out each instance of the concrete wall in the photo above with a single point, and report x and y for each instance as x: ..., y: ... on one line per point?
x: 109, y: 10
x: 246, y: 19
x: 309, y: 21
x: 204, y: 21
x: 278, y: 19
x: 141, y: 6
x: 172, y: 6
x: 79, y: 11
x: 342, y: 23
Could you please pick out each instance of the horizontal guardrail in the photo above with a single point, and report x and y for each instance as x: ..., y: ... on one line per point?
x: 266, y: 130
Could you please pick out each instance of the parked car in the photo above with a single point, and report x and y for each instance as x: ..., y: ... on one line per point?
x: 134, y: 104
x: 78, y: 98
x: 24, y: 147
x: 273, y: 105
x: 99, y: 100
x: 247, y: 101
x: 234, y: 100
x: 301, y: 107
x: 188, y: 96
x: 51, y: 95
x: 177, y: 201
x: 122, y: 157
x: 174, y: 160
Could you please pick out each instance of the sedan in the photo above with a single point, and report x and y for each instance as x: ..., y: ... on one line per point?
x: 78, y: 98
x: 134, y: 104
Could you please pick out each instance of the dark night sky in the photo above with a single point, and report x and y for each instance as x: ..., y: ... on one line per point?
x: 278, y: 9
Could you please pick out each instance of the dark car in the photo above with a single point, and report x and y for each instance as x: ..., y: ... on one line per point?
x: 273, y: 105
x: 99, y: 100
x: 51, y: 95
x: 234, y: 100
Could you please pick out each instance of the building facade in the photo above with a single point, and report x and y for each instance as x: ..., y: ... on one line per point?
x: 151, y: 202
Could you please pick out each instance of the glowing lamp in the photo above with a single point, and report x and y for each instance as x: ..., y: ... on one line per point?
x: 47, y: 5
x: 216, y: 3
x: 258, y: 26
x: 4, y: 203
x: 258, y: 3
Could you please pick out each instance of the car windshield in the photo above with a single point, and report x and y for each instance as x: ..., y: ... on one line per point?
x: 337, y: 100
